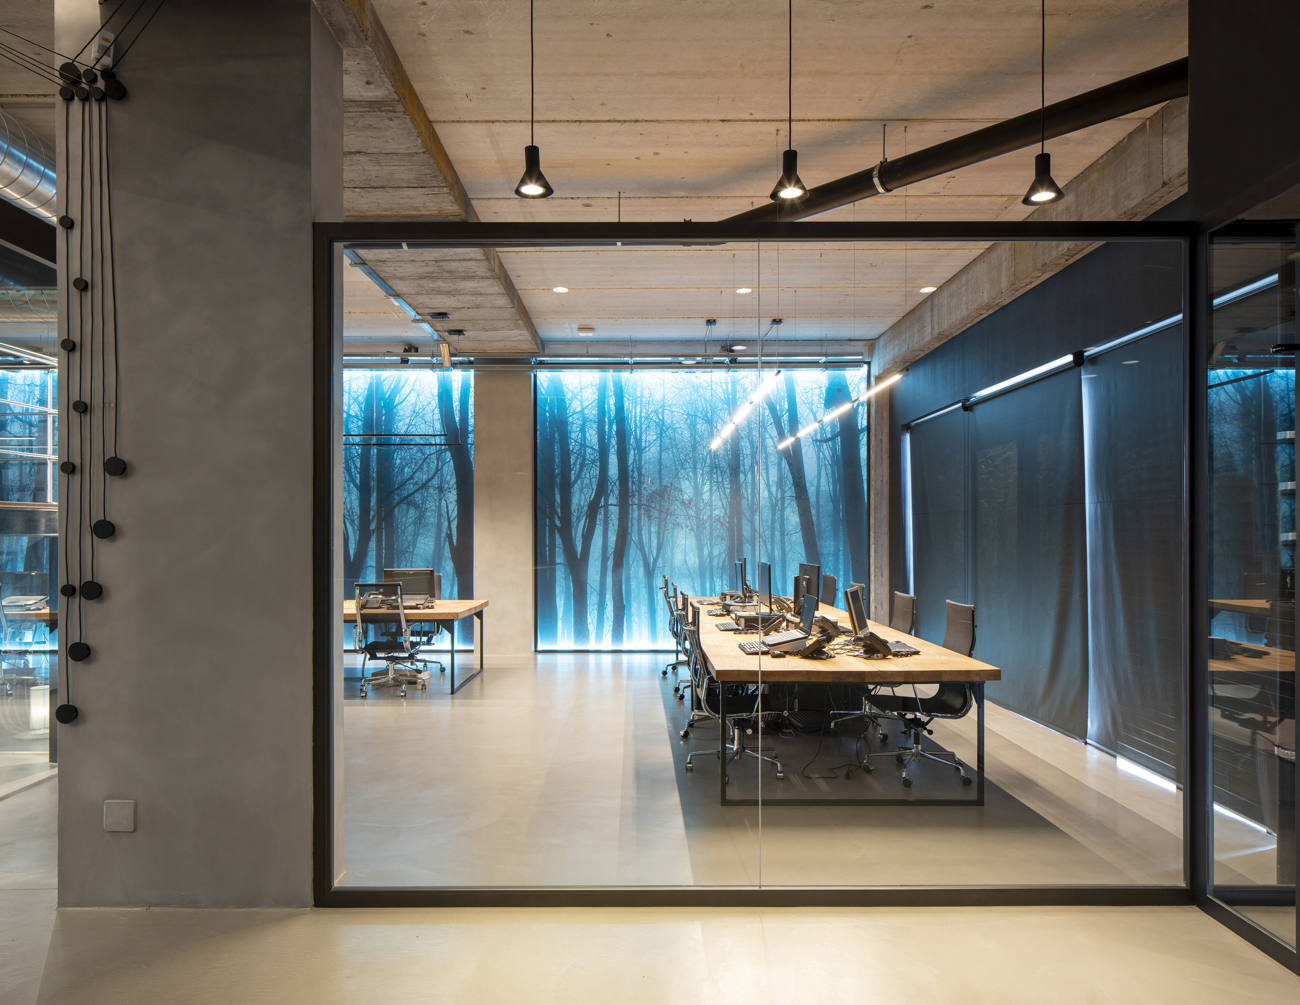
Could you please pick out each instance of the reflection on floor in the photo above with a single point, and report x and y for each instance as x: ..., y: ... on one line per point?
x: 27, y: 887
x: 564, y: 770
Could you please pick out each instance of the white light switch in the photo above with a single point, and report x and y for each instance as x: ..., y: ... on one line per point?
x: 119, y: 815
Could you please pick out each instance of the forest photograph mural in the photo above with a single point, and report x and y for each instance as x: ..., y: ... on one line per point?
x: 408, y: 475
x: 628, y: 491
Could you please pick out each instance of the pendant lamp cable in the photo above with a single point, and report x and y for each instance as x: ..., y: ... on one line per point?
x: 1043, y: 79
x: 532, y: 78
x: 789, y: 77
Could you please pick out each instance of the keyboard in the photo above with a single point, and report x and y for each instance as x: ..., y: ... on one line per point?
x: 716, y: 612
x: 752, y: 648
x: 728, y: 626
x: 780, y: 638
x: 902, y: 649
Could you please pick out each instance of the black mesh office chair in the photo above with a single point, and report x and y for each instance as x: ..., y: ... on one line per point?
x: 746, y: 698
x: 952, y: 700
x: 679, y: 663
x: 904, y: 617
x: 380, y: 609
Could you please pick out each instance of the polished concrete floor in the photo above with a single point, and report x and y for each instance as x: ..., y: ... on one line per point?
x: 575, y: 956
x: 567, y: 770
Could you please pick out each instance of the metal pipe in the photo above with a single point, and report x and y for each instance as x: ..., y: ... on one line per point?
x: 27, y: 176
x: 1163, y: 83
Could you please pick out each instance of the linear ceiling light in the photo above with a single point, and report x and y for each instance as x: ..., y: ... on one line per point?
x: 840, y: 409
x: 789, y: 186
x: 532, y: 184
x: 742, y: 413
x: 1044, y: 189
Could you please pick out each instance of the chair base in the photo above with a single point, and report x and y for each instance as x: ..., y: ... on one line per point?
x: 398, y: 676
x: 736, y: 749
x: 906, y: 756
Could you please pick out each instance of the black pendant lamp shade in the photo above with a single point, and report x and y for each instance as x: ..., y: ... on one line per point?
x: 789, y: 185
x: 1044, y: 189
x: 533, y: 184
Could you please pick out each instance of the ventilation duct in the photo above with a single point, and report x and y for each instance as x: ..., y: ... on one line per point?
x: 27, y: 177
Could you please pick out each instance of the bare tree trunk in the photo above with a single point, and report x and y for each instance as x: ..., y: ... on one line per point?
x: 547, y: 614
x: 617, y: 560
x: 853, y: 486
x: 460, y: 532
x: 793, y: 456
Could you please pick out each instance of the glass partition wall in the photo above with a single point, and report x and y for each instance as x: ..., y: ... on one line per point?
x: 28, y: 520
x: 1251, y: 572
x: 712, y: 428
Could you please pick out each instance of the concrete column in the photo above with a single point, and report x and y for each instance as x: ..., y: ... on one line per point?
x: 503, y: 509
x: 880, y: 495
x: 197, y: 700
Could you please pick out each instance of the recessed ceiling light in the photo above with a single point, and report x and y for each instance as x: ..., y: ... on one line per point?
x: 736, y: 347
x: 559, y: 289
x: 1130, y: 362
x: 586, y: 329
x: 744, y: 289
x: 689, y: 362
x: 928, y: 289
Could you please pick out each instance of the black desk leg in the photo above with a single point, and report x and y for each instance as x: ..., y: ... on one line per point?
x: 722, y: 743
x: 454, y: 686
x: 979, y: 743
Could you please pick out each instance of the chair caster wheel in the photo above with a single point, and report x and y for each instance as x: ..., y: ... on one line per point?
x: 663, y: 673
x: 685, y: 734
x: 866, y: 766
x: 780, y: 775
x: 907, y: 782
x: 966, y: 779
x: 363, y: 692
x: 680, y: 696
x: 689, y: 767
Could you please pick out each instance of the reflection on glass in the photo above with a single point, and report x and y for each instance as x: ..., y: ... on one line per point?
x: 28, y: 518
x: 1251, y: 412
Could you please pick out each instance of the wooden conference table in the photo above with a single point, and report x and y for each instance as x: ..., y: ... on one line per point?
x: 445, y: 612
x: 932, y: 665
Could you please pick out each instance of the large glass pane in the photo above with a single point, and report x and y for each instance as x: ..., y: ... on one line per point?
x: 28, y: 519
x: 1252, y: 427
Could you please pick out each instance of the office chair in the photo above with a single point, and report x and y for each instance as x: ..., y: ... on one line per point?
x: 904, y: 616
x: 705, y: 708
x: 675, y: 630
x: 952, y: 700
x: 381, y: 604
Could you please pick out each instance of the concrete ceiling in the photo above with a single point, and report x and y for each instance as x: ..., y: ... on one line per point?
x: 680, y: 106
x: 23, y: 94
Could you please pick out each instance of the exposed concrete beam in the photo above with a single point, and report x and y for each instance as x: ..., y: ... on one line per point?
x: 1144, y: 171
x: 396, y: 167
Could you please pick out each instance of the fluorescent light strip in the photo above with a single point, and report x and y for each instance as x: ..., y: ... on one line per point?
x: 742, y: 413
x: 1146, y: 774
x: 1233, y: 815
x: 1060, y: 363
x: 1245, y: 291
x: 839, y: 410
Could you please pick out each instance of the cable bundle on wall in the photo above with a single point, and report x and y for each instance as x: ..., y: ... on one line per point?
x: 88, y: 339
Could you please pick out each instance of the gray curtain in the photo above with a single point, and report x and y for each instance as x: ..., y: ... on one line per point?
x: 1133, y: 435
x: 1028, y: 568
x: 940, y: 518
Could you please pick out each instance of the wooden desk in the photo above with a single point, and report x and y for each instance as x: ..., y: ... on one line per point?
x: 49, y: 615
x: 932, y: 665
x: 446, y: 612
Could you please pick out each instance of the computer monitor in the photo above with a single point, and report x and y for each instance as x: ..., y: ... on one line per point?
x: 828, y: 591
x: 807, y: 612
x: 765, y: 584
x: 804, y: 586
x: 853, y: 599
x: 740, y: 577
x: 810, y: 571
x: 416, y: 582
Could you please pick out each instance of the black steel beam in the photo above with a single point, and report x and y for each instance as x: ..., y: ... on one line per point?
x: 574, y: 234
x: 30, y: 235
x: 1123, y: 97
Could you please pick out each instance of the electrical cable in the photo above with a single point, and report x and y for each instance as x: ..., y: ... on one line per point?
x: 136, y: 37
x: 87, y: 329
x: 27, y: 63
x: 532, y: 83
x: 1042, y: 80
x: 67, y: 399
x: 38, y: 45
x: 104, y: 26
x: 112, y: 270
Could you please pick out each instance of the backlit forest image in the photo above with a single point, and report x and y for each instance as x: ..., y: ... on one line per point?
x: 628, y: 491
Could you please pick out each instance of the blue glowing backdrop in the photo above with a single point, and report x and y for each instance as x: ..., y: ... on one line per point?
x: 408, y: 475
x: 629, y: 491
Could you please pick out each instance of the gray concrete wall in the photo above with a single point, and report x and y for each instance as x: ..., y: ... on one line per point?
x: 197, y: 699
x: 503, y: 508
